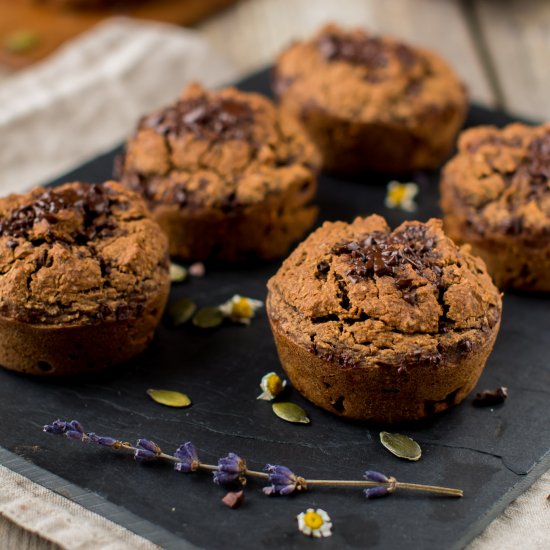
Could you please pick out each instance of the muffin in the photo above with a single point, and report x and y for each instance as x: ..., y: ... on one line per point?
x: 495, y: 195
x: 83, y: 279
x: 383, y: 326
x: 371, y: 103
x: 225, y: 174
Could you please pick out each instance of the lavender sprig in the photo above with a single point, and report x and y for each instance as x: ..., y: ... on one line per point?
x: 232, y: 469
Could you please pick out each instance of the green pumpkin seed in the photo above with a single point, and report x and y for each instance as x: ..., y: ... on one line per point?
x: 169, y: 398
x: 21, y: 41
x: 401, y: 445
x: 180, y: 311
x: 291, y: 412
x: 178, y: 273
x: 208, y: 317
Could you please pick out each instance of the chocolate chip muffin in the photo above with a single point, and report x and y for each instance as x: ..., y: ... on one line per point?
x: 495, y: 194
x: 382, y: 325
x: 225, y: 174
x: 371, y: 103
x: 83, y: 278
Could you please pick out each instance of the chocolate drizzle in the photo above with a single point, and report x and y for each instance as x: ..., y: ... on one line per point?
x: 368, y: 51
x: 389, y: 254
x: 207, y: 118
x: 91, y: 201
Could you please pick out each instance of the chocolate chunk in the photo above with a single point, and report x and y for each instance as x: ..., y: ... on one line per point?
x: 219, y: 119
x: 383, y: 254
x: 488, y: 398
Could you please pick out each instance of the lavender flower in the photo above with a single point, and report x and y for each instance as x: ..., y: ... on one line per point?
x: 371, y: 475
x: 375, y: 492
x: 146, y: 450
x: 104, y: 440
x: 188, y: 458
x: 72, y: 429
x: 231, y: 469
x: 283, y: 481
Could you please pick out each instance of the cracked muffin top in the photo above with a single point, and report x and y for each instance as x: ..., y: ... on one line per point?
x: 353, y: 74
x: 78, y: 254
x: 502, y: 178
x: 360, y: 294
x: 216, y: 149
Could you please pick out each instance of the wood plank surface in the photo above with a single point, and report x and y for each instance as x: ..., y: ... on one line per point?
x: 517, y: 36
x: 254, y: 31
x: 52, y: 24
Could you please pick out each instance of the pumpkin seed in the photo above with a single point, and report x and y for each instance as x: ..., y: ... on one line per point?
x: 178, y: 273
x: 401, y: 446
x: 291, y: 412
x: 169, y: 398
x: 208, y: 317
x: 180, y: 311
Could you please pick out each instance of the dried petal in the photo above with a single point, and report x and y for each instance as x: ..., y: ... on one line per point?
x: 401, y: 445
x: 197, y: 269
x: 188, y: 458
x: 375, y: 492
x: 291, y: 412
x: 169, y: 398
x: 178, y: 273
x: 371, y: 475
x: 488, y: 398
x: 231, y: 469
x: 208, y: 317
x: 181, y: 310
x: 233, y: 499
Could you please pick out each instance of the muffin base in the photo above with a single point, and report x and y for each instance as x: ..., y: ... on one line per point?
x: 265, y: 230
x: 348, y: 147
x: 379, y: 393
x: 56, y: 350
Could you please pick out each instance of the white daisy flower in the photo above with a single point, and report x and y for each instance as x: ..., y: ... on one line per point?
x: 272, y: 385
x: 401, y: 195
x: 315, y: 523
x: 240, y: 309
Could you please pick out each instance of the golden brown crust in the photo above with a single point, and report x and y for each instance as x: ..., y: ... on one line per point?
x: 83, y: 278
x: 383, y: 325
x: 371, y: 102
x: 495, y: 195
x: 216, y: 163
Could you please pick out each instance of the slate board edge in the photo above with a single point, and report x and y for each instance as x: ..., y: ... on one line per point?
x: 93, y: 502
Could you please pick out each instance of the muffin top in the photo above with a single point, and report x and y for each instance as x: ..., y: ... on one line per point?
x: 217, y: 149
x: 355, y: 75
x: 360, y: 293
x: 78, y: 254
x: 501, y: 177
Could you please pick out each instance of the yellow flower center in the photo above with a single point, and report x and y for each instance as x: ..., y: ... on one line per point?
x: 274, y: 384
x: 313, y: 520
x: 242, y: 309
x: 398, y: 193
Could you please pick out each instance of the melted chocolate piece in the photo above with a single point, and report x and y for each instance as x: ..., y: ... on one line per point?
x: 388, y: 253
x: 488, y: 398
x: 206, y: 118
x: 539, y: 159
x: 367, y: 51
x: 92, y: 201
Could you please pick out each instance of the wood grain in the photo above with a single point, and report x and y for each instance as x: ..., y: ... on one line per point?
x: 254, y: 31
x: 54, y: 25
x: 517, y: 36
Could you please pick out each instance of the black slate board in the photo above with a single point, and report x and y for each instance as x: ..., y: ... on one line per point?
x: 493, y: 454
